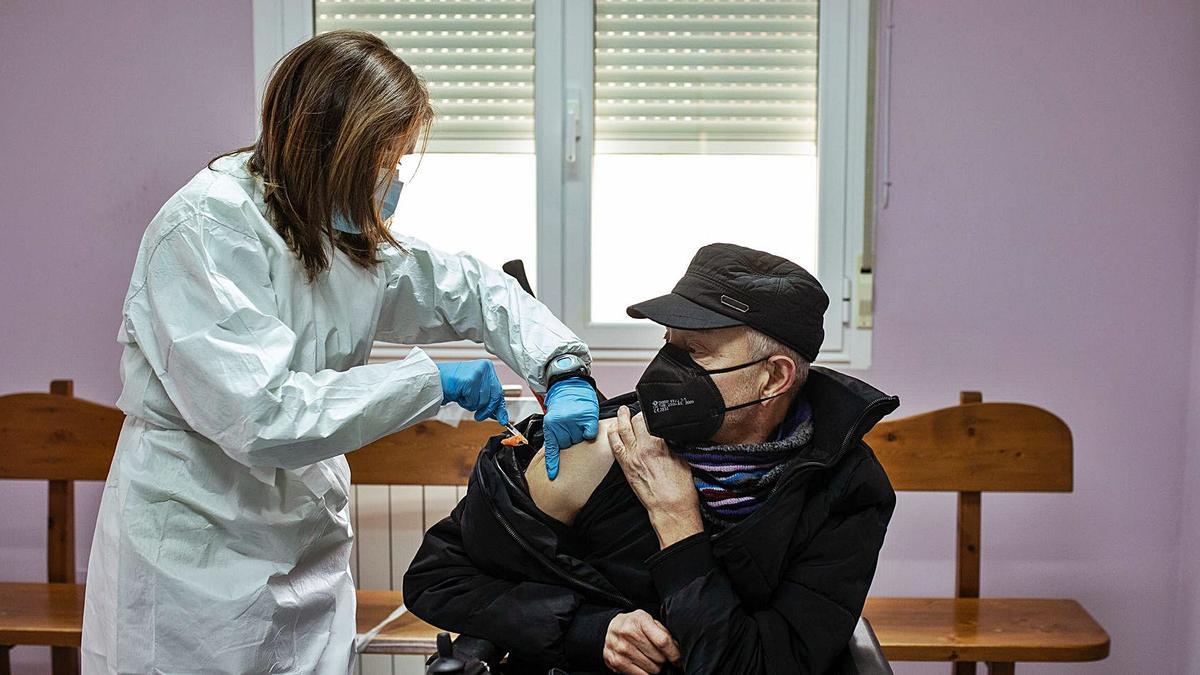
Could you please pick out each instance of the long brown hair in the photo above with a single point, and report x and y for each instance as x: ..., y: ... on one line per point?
x: 337, y: 109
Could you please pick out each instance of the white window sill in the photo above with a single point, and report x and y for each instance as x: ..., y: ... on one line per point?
x: 463, y: 351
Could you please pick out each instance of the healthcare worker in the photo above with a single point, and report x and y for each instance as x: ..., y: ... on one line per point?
x: 223, y: 540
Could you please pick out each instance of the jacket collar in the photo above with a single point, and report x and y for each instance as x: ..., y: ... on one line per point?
x: 844, y: 409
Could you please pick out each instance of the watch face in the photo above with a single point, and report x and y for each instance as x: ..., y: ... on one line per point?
x: 564, y: 362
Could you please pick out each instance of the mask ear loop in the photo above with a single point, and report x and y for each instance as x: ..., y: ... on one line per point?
x: 744, y: 365
x: 729, y: 369
x: 750, y: 403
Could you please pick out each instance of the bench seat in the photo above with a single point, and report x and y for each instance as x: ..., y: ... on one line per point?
x: 41, y: 614
x: 987, y: 629
x: 909, y: 629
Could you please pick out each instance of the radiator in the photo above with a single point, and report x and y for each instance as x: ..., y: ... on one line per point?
x: 389, y: 522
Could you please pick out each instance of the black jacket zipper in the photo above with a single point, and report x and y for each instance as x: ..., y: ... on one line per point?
x: 841, y: 449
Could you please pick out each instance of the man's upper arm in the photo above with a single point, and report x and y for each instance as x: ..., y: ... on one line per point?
x: 581, y: 468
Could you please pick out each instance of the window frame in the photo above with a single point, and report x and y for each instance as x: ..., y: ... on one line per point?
x: 563, y: 83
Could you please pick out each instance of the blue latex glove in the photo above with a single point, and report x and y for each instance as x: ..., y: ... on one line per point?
x: 474, y: 386
x: 572, y: 414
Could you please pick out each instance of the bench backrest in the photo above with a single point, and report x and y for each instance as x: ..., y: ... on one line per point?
x: 972, y: 448
x: 61, y: 439
x: 427, y: 453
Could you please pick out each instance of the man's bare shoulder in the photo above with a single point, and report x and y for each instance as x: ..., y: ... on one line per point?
x: 581, y: 467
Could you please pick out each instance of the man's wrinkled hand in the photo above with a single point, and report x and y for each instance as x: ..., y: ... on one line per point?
x: 636, y: 644
x: 661, y: 480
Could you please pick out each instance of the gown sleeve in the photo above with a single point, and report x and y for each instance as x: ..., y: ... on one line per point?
x: 206, y: 319
x: 432, y: 296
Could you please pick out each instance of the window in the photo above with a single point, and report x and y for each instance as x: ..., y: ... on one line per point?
x: 477, y: 59
x: 660, y: 125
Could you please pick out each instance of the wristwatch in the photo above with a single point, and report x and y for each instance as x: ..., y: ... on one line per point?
x: 564, y: 366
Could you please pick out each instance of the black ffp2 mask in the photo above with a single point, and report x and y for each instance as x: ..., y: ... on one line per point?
x: 679, y: 399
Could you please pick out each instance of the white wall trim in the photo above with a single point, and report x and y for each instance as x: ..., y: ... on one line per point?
x: 279, y: 25
x: 843, y: 78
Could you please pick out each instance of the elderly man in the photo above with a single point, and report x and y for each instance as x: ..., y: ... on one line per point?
x: 728, y: 518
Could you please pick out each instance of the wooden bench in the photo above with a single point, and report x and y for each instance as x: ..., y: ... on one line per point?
x: 972, y: 448
x: 62, y: 439
x: 57, y: 438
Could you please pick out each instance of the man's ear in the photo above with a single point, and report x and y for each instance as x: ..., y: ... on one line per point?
x: 781, y: 375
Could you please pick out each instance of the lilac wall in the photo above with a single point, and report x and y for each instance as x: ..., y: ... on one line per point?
x: 1041, y: 245
x: 107, y: 108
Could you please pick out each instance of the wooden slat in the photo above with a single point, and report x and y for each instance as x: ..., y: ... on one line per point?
x: 41, y: 614
x: 988, y: 629
x: 967, y: 560
x: 60, y: 543
x: 60, y: 560
x: 428, y: 453
x: 51, y: 437
x: 60, y: 516
x: 979, y: 447
x: 64, y: 660
x: 60, y: 535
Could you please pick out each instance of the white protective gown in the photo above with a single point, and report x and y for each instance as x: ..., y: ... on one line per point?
x: 223, y: 540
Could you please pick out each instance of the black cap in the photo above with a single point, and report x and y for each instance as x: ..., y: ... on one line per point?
x: 729, y: 285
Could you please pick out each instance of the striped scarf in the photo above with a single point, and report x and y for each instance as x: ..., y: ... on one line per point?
x: 734, y: 480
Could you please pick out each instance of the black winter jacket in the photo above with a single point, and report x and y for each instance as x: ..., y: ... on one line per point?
x: 779, y: 592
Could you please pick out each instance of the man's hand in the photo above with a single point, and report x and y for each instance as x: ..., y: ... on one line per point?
x: 636, y: 644
x: 661, y: 481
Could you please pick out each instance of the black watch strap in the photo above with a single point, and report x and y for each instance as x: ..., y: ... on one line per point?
x: 581, y: 374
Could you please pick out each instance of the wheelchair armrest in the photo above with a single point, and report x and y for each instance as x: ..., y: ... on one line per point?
x: 865, y: 651
x: 478, y: 648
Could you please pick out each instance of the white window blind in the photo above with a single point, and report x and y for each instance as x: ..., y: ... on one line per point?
x: 717, y: 76
x: 475, y: 55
